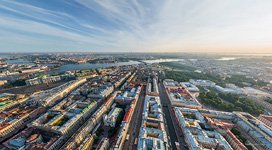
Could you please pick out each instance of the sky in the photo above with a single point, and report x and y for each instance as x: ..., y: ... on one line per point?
x: 228, y: 26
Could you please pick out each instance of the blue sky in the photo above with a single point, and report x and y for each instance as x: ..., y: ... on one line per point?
x: 241, y: 26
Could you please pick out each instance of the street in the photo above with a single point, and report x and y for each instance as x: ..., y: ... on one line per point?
x: 135, y: 123
x: 175, y: 135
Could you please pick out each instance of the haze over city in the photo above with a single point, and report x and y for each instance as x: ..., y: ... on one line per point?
x: 232, y: 26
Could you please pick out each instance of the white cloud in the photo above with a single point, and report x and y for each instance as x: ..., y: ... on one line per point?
x: 167, y: 25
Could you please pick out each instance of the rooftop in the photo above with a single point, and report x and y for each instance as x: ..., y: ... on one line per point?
x: 269, y: 118
x: 7, y: 100
x: 182, y: 97
x: 63, y: 115
x: 32, y: 138
x: 152, y: 133
x: 12, y: 115
x: 199, y: 135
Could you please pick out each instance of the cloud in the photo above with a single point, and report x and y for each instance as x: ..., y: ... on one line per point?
x: 143, y: 25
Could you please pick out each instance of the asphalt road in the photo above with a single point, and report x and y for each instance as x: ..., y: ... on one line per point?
x: 135, y: 123
x: 175, y: 135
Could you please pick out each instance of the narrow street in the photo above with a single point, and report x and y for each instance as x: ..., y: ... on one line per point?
x: 135, y: 123
x: 175, y: 135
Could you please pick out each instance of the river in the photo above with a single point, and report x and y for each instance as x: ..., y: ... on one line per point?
x: 70, y: 67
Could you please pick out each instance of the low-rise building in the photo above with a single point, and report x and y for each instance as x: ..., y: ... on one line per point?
x: 101, y: 92
x: 31, y: 138
x: 62, y: 121
x: 50, y: 97
x: 191, y: 88
x: 266, y: 120
x: 104, y: 144
x: 3, y: 82
x: 112, y: 117
x: 8, y: 100
x: 152, y: 88
x: 203, y: 83
x: 258, y: 131
x: 42, y: 80
x: 84, y: 136
x: 170, y: 83
x: 34, y: 81
x: 128, y: 96
x: 150, y: 138
x: 180, y: 96
x: 16, y: 118
x: 234, y: 141
x: 32, y: 70
x: 122, y: 133
x: 152, y: 133
x: 198, y: 134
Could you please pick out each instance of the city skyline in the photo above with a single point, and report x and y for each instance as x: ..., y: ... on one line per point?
x: 135, y: 101
x: 136, y: 26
